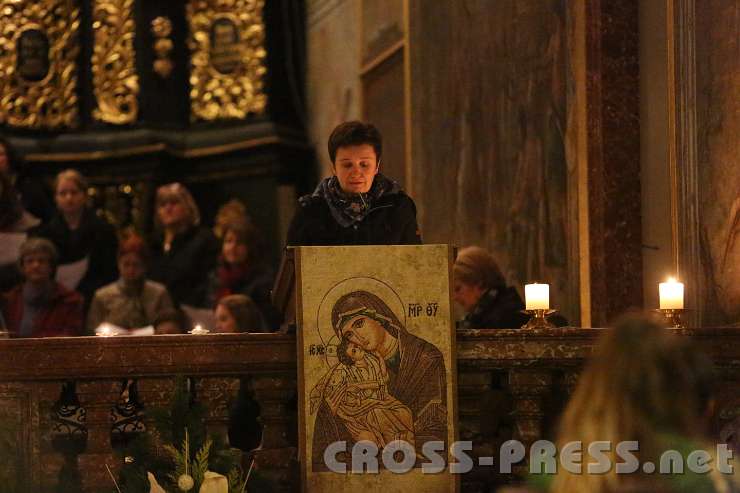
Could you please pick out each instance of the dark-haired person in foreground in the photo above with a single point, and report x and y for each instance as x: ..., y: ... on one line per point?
x: 357, y: 205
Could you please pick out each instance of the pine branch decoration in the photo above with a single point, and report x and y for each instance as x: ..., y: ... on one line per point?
x: 200, y: 465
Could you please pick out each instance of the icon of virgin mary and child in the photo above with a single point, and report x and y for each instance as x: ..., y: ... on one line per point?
x: 388, y: 384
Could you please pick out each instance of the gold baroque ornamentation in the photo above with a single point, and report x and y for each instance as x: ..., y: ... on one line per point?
x: 38, y: 89
x: 227, y: 58
x: 115, y: 82
x: 162, y: 30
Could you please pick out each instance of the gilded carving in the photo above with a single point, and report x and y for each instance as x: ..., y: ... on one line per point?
x: 227, y: 58
x: 115, y: 82
x: 38, y: 63
x: 162, y: 30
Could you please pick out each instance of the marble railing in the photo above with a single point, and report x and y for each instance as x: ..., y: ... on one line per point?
x: 510, y: 384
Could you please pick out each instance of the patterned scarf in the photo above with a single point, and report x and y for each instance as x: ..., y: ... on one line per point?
x: 348, y: 209
x: 229, y: 277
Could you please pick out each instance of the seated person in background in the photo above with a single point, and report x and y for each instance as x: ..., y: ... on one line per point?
x: 646, y: 384
x: 132, y: 302
x: 480, y: 288
x: 183, y: 251
x: 14, y: 223
x: 13, y: 217
x: 171, y: 322
x: 238, y: 313
x: 81, y: 238
x: 242, y: 270
x: 233, y: 211
x: 357, y: 205
x: 32, y: 190
x: 40, y: 306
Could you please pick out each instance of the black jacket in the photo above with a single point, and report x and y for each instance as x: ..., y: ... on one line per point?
x: 497, y: 309
x: 185, y: 268
x: 391, y: 221
x: 95, y: 239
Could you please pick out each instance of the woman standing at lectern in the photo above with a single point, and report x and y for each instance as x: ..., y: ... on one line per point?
x: 357, y: 205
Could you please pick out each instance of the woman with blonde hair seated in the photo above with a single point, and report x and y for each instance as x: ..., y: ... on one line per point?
x: 645, y: 384
x: 183, y: 251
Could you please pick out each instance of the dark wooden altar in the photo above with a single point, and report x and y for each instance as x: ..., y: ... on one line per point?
x: 510, y: 384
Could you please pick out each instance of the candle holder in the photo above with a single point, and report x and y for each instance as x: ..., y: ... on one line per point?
x: 538, y: 319
x: 673, y: 317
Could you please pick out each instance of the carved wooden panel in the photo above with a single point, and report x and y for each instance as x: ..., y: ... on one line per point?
x: 38, y: 63
x: 115, y: 81
x: 226, y: 42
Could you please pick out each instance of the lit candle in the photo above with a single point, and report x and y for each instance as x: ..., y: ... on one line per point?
x: 537, y: 296
x: 199, y: 330
x: 106, y: 330
x: 671, y: 295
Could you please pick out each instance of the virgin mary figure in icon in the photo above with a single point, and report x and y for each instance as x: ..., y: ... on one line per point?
x: 388, y: 385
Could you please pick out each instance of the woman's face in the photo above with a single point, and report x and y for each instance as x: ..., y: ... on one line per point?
x: 172, y: 211
x: 36, y: 268
x: 233, y: 250
x: 225, y: 322
x: 131, y: 267
x: 364, y: 332
x: 467, y: 295
x: 355, y: 168
x: 69, y: 197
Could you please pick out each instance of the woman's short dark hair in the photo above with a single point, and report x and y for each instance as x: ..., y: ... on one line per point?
x: 352, y: 134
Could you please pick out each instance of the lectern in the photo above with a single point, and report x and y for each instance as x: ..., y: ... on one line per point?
x: 376, y: 372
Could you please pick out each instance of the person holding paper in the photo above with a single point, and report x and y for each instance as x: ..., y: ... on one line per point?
x: 132, y: 301
x: 86, y: 243
x: 15, y: 221
x: 40, y: 306
x: 357, y: 205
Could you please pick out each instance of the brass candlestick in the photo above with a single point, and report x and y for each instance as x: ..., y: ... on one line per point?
x: 673, y: 317
x: 538, y: 319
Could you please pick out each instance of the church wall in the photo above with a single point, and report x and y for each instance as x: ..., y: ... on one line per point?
x: 718, y: 147
x: 488, y: 128
x: 333, y: 90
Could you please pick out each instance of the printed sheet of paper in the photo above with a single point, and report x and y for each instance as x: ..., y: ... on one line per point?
x: 376, y: 364
x: 72, y: 273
